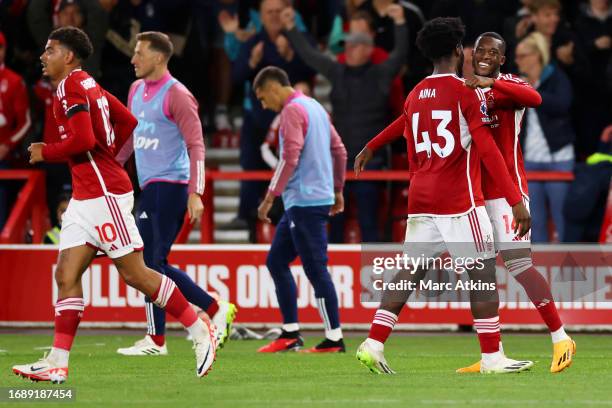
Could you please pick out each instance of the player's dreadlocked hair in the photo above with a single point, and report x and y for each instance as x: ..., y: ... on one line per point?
x: 439, y: 37
x: 75, y: 40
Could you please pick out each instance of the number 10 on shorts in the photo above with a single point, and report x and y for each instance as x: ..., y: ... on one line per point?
x: 107, y: 233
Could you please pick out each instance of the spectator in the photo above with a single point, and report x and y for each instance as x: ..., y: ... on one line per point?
x: 477, y: 15
x: 211, y: 38
x: 53, y: 235
x: 516, y: 28
x: 14, y: 120
x: 418, y: 66
x: 123, y: 27
x: 267, y: 47
x: 361, y: 22
x: 44, y: 15
x: 586, y: 201
x: 548, y: 134
x: 360, y: 102
x: 594, y: 28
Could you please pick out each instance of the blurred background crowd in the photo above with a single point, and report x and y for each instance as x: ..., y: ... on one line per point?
x: 330, y: 49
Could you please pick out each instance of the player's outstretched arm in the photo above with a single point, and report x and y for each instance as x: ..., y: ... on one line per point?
x: 389, y: 134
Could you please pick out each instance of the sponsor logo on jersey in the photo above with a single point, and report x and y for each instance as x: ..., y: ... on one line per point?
x: 88, y: 83
x: 144, y: 126
x: 146, y: 143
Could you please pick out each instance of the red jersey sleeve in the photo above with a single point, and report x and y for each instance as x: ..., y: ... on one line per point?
x: 72, y: 98
x: 474, y: 110
x: 510, y: 91
x: 411, y: 149
x: 389, y: 134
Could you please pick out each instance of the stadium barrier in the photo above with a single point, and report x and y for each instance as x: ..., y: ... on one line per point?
x: 30, y: 210
x: 238, y: 273
x: 207, y: 222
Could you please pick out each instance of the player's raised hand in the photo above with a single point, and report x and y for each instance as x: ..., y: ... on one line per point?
x: 195, y: 208
x: 338, y: 206
x: 362, y: 159
x: 288, y: 18
x: 478, y: 81
x: 264, y: 208
x: 36, y: 155
x: 396, y: 13
x: 522, y: 219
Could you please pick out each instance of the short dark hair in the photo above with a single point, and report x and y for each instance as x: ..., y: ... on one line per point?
x: 271, y: 73
x: 493, y: 34
x: 158, y: 41
x: 439, y: 37
x: 364, y: 15
x: 75, y: 40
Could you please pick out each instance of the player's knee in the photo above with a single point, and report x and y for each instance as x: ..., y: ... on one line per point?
x: 130, y: 276
x: 273, y: 264
x: 65, y: 279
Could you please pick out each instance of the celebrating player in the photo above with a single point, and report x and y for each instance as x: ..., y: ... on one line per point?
x: 443, y: 118
x: 507, y: 96
x: 93, y: 126
x: 169, y: 150
x: 310, y: 177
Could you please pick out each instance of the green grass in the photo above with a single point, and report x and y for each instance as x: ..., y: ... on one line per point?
x: 243, y: 378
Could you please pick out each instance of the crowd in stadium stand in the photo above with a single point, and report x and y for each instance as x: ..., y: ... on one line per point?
x: 365, y: 50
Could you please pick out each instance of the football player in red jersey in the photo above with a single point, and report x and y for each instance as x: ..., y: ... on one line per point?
x: 507, y: 97
x: 446, y: 126
x: 93, y: 125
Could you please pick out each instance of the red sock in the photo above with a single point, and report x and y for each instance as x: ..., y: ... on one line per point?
x: 488, y: 334
x: 158, y: 339
x: 382, y: 325
x: 68, y: 313
x: 538, y: 291
x: 168, y: 297
x: 212, y: 310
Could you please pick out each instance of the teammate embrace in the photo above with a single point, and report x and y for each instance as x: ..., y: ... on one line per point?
x: 451, y: 127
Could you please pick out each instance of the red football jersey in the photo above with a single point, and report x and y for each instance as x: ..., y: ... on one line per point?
x: 507, y: 117
x: 96, y: 172
x: 440, y: 113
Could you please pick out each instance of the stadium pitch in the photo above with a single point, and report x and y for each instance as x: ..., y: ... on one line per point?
x: 243, y: 378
